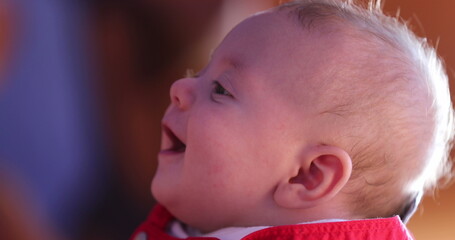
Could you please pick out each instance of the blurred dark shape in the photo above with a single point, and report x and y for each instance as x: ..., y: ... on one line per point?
x: 157, y: 32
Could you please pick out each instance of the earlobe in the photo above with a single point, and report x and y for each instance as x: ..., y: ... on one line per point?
x: 322, y: 171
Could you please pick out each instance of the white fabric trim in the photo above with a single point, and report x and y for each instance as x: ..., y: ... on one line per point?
x: 179, y: 230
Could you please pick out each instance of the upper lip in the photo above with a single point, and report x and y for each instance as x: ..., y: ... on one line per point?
x: 171, y: 142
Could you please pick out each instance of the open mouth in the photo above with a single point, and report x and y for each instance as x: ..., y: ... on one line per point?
x: 175, y: 144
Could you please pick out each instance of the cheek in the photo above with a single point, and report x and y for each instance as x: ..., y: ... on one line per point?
x: 209, y: 151
x: 231, y: 146
x: 215, y: 145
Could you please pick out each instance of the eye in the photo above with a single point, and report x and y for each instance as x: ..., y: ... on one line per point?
x: 220, y: 90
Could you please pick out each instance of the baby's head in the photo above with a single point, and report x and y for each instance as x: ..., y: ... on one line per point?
x: 313, y: 110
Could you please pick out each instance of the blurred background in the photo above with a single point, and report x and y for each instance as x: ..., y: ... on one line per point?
x: 83, y: 86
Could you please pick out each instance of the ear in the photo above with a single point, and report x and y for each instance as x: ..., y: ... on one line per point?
x: 322, y: 171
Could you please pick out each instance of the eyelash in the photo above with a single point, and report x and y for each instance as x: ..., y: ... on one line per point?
x: 220, y: 90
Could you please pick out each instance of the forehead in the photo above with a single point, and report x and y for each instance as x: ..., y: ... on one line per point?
x: 274, y: 49
x: 258, y: 36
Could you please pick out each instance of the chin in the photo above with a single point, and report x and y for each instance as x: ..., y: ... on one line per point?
x: 180, y: 209
x: 166, y: 195
x: 161, y: 192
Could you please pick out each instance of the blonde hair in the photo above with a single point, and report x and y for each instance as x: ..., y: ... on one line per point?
x: 414, y: 54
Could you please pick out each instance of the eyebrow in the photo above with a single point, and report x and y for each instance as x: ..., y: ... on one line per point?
x: 233, y: 62
x: 229, y: 61
x: 237, y: 65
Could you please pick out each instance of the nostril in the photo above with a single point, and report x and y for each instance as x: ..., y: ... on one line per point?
x: 176, y: 94
x: 175, y: 100
x: 182, y: 93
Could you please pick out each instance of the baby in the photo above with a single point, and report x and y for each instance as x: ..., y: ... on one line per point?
x: 314, y: 120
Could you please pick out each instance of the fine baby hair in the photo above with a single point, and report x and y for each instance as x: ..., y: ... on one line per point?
x: 410, y: 63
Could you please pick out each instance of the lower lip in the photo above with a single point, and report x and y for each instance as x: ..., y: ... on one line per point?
x: 169, y: 156
x: 170, y: 152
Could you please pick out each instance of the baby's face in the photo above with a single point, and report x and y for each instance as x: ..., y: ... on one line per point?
x: 230, y: 132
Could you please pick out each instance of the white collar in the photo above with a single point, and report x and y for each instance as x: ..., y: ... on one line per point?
x: 180, y: 230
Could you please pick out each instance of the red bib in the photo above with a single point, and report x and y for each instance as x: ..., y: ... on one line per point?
x: 154, y: 228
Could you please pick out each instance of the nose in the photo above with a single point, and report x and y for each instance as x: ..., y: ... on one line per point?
x: 182, y: 93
